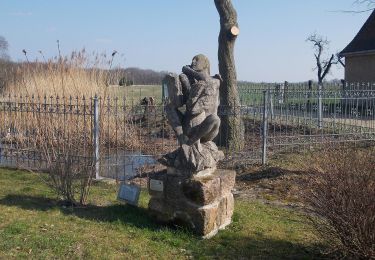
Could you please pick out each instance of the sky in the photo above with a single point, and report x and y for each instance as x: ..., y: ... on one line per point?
x: 164, y: 35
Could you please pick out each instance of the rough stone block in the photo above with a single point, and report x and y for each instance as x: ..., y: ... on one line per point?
x: 225, y: 211
x: 203, y: 203
x: 160, y: 210
x: 227, y: 181
x: 173, y: 188
x: 202, y: 191
x: 206, y: 221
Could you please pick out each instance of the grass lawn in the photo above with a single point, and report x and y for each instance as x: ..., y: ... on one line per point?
x: 135, y: 93
x: 33, y: 225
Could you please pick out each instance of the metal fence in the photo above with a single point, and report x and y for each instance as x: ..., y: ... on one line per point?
x: 123, y: 138
x: 30, y: 126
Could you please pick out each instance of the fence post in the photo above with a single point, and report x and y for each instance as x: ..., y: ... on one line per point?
x: 320, y: 106
x: 286, y: 91
x: 309, y: 92
x: 265, y: 126
x: 271, y: 94
x: 96, y: 137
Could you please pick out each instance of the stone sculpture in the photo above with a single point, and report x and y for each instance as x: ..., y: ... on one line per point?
x: 192, y: 191
x: 198, y: 93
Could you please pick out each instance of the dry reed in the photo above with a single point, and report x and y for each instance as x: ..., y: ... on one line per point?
x: 78, y: 74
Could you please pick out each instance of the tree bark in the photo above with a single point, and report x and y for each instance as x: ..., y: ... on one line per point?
x: 232, y: 129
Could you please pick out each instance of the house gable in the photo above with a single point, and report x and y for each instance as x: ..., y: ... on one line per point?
x: 364, y: 41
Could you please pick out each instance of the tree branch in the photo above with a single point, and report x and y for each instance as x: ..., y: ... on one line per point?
x: 323, y: 65
x: 369, y: 3
x: 328, y: 66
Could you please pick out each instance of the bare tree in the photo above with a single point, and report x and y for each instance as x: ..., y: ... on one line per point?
x: 370, y: 4
x: 232, y: 130
x: 5, y: 65
x: 3, y: 48
x: 323, y: 65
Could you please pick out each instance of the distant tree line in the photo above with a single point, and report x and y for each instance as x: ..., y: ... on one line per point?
x: 136, y: 76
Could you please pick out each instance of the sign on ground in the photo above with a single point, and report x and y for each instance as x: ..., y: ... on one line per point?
x: 129, y: 193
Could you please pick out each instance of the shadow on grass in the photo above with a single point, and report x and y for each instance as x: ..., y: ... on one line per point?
x: 239, y: 246
x: 115, y: 213
x: 229, y: 244
x: 267, y: 173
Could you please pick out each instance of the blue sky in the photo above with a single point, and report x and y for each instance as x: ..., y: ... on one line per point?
x: 166, y: 34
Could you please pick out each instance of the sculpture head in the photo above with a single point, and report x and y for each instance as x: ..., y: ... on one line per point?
x: 200, y: 63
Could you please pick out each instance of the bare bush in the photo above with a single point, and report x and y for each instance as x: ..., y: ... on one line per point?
x: 70, y: 169
x: 70, y: 177
x: 340, y: 190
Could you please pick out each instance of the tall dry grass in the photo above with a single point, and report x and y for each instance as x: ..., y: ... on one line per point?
x: 53, y: 100
x: 78, y: 74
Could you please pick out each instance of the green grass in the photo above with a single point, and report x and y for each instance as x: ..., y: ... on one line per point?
x: 248, y: 96
x: 33, y: 225
x: 135, y: 93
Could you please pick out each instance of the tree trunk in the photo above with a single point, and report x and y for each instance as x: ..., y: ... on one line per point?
x: 231, y: 130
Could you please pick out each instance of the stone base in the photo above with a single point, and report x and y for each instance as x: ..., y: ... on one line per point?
x: 203, y: 203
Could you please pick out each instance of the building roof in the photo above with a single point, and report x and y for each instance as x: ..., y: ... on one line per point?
x: 364, y: 41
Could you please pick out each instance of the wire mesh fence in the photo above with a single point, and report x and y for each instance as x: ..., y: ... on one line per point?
x: 124, y: 139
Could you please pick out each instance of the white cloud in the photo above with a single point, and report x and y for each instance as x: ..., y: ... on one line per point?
x: 21, y: 13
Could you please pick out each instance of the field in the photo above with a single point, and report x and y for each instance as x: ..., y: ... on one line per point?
x: 34, y: 225
x: 134, y: 94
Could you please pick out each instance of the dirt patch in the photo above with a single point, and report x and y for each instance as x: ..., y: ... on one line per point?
x: 271, y: 185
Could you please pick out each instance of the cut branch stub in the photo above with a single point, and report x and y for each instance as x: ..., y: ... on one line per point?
x: 235, y: 31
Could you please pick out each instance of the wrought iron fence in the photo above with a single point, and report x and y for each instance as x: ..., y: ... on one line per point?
x: 125, y: 138
x: 35, y: 130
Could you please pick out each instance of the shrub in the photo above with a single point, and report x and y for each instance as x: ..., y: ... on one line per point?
x: 340, y: 190
x: 70, y: 170
x: 70, y: 177
x: 65, y: 155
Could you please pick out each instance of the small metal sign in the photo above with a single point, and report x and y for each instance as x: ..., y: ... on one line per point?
x: 156, y: 185
x: 129, y: 194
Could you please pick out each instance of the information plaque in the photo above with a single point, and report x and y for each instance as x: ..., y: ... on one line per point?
x: 129, y: 193
x: 156, y: 185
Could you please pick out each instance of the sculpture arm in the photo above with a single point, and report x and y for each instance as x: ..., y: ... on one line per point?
x: 194, y: 74
x: 186, y: 86
x: 175, y: 120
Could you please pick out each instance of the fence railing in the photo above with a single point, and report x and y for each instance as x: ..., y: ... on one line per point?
x: 123, y: 139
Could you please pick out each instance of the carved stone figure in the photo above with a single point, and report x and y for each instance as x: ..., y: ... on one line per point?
x: 192, y: 113
x: 192, y: 191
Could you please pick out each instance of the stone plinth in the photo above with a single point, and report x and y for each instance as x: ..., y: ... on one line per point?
x: 204, y: 202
